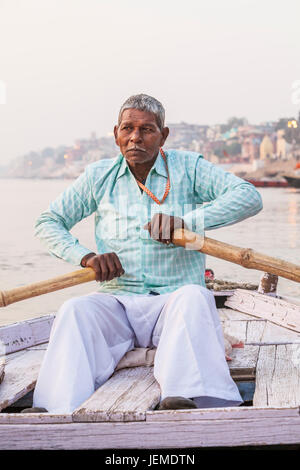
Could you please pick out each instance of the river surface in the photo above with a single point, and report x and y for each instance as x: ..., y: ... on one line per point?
x: 274, y: 231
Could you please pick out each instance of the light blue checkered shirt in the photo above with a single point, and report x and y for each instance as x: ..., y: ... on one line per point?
x: 203, y: 194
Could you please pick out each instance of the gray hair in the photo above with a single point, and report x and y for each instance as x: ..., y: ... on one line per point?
x: 145, y: 103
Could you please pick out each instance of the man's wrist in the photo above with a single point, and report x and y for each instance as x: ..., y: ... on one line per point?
x: 85, y: 258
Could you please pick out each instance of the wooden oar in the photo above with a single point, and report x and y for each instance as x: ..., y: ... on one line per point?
x: 44, y: 287
x: 243, y: 256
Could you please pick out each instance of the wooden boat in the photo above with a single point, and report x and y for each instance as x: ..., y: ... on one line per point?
x: 121, y: 413
x: 293, y: 181
x: 267, y: 183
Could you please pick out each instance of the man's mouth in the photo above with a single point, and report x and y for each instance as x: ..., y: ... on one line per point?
x: 135, y: 149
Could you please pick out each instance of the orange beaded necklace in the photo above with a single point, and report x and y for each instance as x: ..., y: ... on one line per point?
x: 143, y: 187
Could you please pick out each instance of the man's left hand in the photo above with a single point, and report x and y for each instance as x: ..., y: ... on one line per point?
x: 162, y: 226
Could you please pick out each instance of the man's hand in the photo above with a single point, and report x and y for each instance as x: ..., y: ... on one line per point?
x: 106, y: 266
x: 162, y: 226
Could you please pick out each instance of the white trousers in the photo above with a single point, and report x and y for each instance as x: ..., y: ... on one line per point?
x: 90, y: 335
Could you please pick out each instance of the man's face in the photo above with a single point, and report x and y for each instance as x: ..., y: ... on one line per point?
x: 139, y: 136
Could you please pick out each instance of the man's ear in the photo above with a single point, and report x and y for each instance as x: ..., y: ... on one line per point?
x: 165, y: 132
x: 116, y: 135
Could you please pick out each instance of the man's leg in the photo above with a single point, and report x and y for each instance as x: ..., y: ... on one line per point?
x: 190, y: 358
x: 89, y: 336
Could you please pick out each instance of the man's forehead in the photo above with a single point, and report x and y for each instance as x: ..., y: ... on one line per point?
x: 144, y: 122
x: 145, y: 117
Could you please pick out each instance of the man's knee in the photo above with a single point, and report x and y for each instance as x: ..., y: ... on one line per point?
x: 78, y: 308
x: 193, y: 292
x: 71, y: 306
x: 193, y: 300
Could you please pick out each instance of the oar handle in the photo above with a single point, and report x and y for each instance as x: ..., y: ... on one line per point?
x: 44, y: 287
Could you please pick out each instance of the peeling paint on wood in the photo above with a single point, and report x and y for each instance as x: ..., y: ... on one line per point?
x: 20, y: 377
x: 24, y: 334
x: 275, y: 310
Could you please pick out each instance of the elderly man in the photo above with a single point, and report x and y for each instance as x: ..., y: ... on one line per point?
x: 152, y: 293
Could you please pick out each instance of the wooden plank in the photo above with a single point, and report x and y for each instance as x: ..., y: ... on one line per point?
x: 278, y: 376
x: 278, y: 334
x: 24, y: 402
x: 20, y: 377
x: 222, y: 293
x: 126, y: 396
x: 38, y: 347
x: 262, y: 332
x: 235, y: 328
x: 244, y: 360
x: 255, y: 330
x: 2, y: 367
x: 12, y: 356
x: 239, y: 412
x: 293, y: 300
x: 161, y: 416
x: 231, y: 314
x: 269, y: 308
x: 24, y: 334
x: 34, y: 418
x: 152, y: 435
x: 243, y: 364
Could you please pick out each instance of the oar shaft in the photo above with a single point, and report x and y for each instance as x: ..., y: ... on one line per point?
x: 245, y: 257
x: 44, y: 287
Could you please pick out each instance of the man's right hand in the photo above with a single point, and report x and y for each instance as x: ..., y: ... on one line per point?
x: 106, y: 266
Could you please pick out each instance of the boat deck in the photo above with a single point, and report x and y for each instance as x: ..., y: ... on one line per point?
x: 120, y: 414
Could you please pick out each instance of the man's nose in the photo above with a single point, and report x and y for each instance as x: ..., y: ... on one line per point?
x: 135, y: 135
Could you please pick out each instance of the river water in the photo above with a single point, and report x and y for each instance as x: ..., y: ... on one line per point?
x: 274, y: 231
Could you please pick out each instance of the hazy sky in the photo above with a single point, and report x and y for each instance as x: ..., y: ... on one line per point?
x: 68, y: 65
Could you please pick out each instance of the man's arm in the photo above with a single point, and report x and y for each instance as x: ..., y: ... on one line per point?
x: 53, y: 226
x: 230, y: 199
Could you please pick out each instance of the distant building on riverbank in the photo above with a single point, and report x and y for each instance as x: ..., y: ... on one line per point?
x: 283, y: 148
x: 266, y: 148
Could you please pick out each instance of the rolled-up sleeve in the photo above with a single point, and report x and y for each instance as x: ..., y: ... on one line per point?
x: 223, y: 198
x: 53, y: 225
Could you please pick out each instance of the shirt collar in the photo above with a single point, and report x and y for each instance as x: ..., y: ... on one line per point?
x: 123, y: 167
x: 159, y: 166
